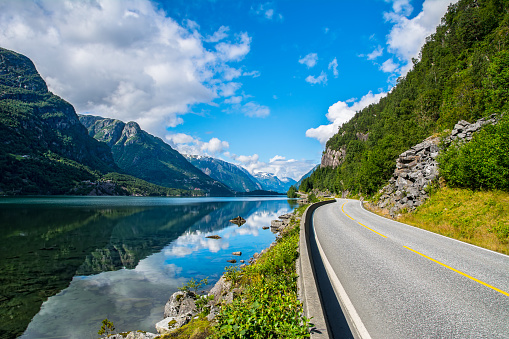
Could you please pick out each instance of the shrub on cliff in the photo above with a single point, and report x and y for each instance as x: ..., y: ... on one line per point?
x: 483, y: 163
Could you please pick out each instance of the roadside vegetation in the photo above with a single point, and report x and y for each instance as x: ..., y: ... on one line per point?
x: 477, y: 217
x: 267, y: 306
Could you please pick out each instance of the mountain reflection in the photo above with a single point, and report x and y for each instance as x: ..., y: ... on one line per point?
x: 121, y: 259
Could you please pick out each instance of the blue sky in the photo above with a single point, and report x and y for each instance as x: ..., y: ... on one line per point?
x: 262, y: 84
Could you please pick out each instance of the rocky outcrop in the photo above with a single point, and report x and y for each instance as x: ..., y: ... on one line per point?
x: 417, y: 168
x: 333, y: 158
x: 361, y: 136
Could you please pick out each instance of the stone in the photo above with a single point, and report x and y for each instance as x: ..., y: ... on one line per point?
x: 237, y: 253
x: 170, y: 324
x: 213, y: 237
x: 265, y: 227
x: 180, y: 303
x: 239, y: 221
x: 231, y: 261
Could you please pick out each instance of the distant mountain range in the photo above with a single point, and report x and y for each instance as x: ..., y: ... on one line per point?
x: 46, y: 148
x: 270, y: 182
x: 145, y: 156
x: 235, y: 177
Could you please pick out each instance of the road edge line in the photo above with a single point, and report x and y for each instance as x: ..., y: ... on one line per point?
x: 437, y: 234
x: 346, y: 303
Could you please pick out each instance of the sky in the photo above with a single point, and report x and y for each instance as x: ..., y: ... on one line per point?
x: 260, y: 84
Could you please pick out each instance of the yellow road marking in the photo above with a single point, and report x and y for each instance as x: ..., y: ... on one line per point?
x: 360, y: 223
x: 345, y: 212
x: 372, y: 230
x: 463, y: 274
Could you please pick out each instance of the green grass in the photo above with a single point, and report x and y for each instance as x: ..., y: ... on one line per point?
x: 477, y: 217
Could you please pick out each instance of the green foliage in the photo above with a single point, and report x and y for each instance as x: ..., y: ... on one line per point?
x: 463, y: 73
x: 292, y: 192
x: 481, y: 163
x: 194, y: 285
x: 107, y: 328
x: 312, y: 198
x: 268, y: 306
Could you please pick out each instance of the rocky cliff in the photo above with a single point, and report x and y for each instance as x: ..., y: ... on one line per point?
x: 417, y: 168
x: 44, y: 147
x: 333, y: 158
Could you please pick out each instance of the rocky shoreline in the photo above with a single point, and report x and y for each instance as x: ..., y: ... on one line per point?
x: 185, y: 305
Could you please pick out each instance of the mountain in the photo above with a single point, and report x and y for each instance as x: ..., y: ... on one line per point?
x: 44, y: 149
x: 270, y: 182
x: 307, y: 175
x: 145, y: 156
x: 235, y: 177
x: 461, y: 74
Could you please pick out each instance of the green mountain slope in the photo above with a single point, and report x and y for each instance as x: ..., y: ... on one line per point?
x: 463, y: 73
x: 231, y: 175
x: 44, y: 149
x: 145, y: 156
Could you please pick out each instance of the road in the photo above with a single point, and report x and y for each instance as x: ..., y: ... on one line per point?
x: 404, y: 282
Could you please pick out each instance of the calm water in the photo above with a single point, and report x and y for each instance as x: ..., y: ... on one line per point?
x: 66, y: 263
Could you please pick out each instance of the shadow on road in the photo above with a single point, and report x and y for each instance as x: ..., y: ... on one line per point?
x: 336, y: 321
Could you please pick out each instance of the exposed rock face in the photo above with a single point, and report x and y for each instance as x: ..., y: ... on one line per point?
x: 361, y: 136
x: 332, y: 158
x: 417, y: 168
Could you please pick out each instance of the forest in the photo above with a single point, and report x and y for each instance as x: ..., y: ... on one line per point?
x: 462, y: 73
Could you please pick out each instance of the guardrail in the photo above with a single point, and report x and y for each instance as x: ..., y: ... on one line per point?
x: 308, y: 291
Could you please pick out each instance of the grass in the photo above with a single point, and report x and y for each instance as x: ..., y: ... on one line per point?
x: 267, y: 306
x: 198, y: 328
x: 480, y: 218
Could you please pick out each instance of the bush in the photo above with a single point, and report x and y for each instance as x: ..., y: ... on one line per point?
x: 483, y: 163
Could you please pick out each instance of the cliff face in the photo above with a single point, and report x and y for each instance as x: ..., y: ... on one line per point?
x: 417, y: 168
x: 145, y: 156
x: 40, y: 134
x: 333, y: 158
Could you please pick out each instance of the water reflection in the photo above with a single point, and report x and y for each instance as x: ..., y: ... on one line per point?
x: 96, y: 261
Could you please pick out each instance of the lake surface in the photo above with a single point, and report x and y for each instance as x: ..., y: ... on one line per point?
x: 66, y: 263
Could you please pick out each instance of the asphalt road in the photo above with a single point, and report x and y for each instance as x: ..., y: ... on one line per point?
x: 404, y: 282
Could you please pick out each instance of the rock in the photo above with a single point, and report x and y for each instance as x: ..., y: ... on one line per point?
x: 238, y: 221
x: 242, y: 261
x: 231, y: 261
x: 333, y: 158
x: 237, y: 253
x: 180, y: 303
x: 213, y: 237
x: 170, y: 324
x: 134, y: 335
x: 265, y: 227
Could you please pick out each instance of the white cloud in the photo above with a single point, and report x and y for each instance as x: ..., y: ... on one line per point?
x: 407, y: 36
x: 267, y: 11
x: 339, y: 113
x: 309, y: 60
x: 402, y: 7
x: 376, y: 53
x: 219, y: 35
x: 254, y: 74
x: 228, y: 89
x: 253, y: 109
x: 236, y: 51
x: 186, y: 144
x: 334, y: 66
x: 389, y: 66
x: 121, y: 59
x: 321, y: 79
x: 277, y: 165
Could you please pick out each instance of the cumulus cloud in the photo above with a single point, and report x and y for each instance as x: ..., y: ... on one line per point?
x: 309, y: 60
x: 339, y: 113
x: 321, y: 79
x: 333, y: 65
x: 389, y: 66
x: 219, y: 35
x: 376, y: 53
x: 254, y: 109
x: 186, y: 144
x: 408, y: 35
x: 122, y: 59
